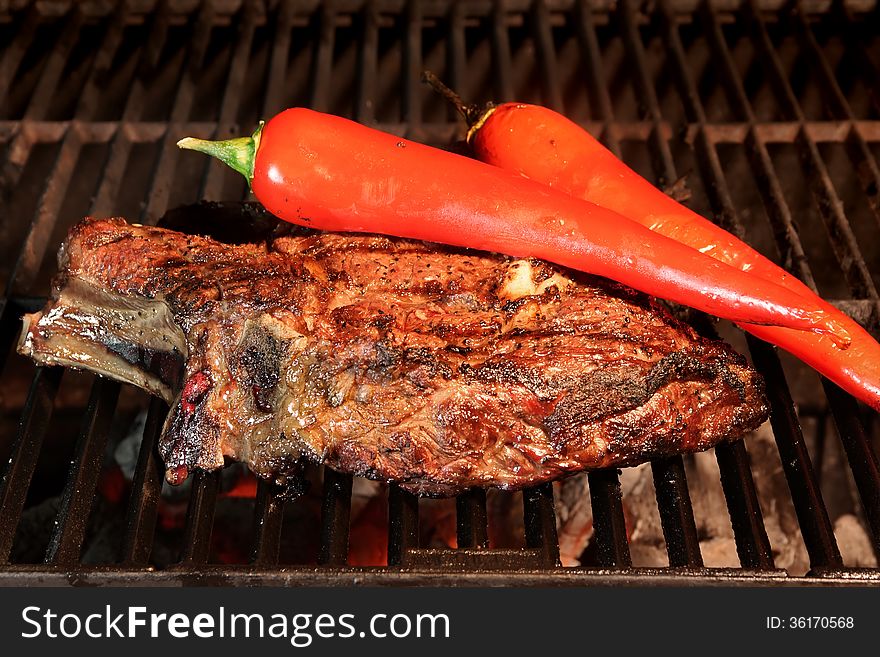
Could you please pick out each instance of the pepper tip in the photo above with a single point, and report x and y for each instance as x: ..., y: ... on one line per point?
x: 838, y: 333
x: 187, y: 143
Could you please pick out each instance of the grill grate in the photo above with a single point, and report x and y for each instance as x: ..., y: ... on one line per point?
x: 96, y: 95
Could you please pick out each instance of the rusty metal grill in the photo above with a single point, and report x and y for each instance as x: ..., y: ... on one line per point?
x: 754, y: 102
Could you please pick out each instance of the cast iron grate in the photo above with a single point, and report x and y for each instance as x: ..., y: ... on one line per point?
x: 93, y: 98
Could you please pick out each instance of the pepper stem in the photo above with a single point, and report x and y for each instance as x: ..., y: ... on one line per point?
x: 238, y: 153
x: 470, y: 113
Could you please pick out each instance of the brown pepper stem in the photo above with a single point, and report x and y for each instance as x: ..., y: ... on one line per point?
x: 469, y: 112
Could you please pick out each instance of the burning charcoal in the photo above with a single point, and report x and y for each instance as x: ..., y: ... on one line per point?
x: 647, y: 545
x: 574, y: 518
x: 854, y: 542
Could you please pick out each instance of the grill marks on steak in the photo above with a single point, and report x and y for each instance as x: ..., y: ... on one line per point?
x: 436, y: 368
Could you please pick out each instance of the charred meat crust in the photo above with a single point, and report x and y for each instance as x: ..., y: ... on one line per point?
x: 436, y: 368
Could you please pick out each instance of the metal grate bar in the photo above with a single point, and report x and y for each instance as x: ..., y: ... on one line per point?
x: 403, y: 524
x: 14, y: 53
x: 843, y: 240
x: 471, y: 519
x: 859, y: 151
x: 866, y: 168
x: 717, y: 190
x: 90, y: 95
x: 160, y: 21
x: 687, y: 89
x: 16, y: 478
x: 785, y: 232
x: 365, y: 107
x: 433, y: 576
x: 605, y: 494
x: 226, y: 10
x: 862, y: 459
x: 19, y: 151
x: 36, y: 243
x: 821, y: 439
x: 857, y: 40
x: 810, y: 508
x: 200, y: 517
x: 471, y: 509
x: 336, y: 498
x: 676, y: 512
x: 609, y: 522
x: 861, y: 456
x: 547, y: 56
x: 190, y: 69
x: 650, y: 106
x: 56, y: 62
x: 785, y: 132
x: 273, y: 101
x: 335, y: 518
x: 456, y: 54
x: 120, y: 148
x: 705, y: 148
x: 501, y: 53
x: 227, y: 125
x: 322, y: 67
x: 752, y: 543
x: 603, y: 109
x: 412, y: 66
x: 336, y: 495
x: 268, y: 522
x: 146, y: 486
x: 79, y: 492
x: 539, y: 516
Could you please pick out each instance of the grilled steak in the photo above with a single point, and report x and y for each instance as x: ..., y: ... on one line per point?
x: 437, y: 368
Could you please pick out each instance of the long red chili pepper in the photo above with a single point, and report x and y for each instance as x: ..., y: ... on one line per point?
x: 327, y: 172
x: 546, y: 147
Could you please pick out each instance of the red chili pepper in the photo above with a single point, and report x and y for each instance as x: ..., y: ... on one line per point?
x: 546, y: 147
x: 327, y: 172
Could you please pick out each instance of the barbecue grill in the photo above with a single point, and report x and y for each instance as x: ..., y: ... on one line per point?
x: 743, y: 104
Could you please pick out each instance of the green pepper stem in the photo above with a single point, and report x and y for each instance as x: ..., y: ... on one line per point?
x: 239, y: 153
